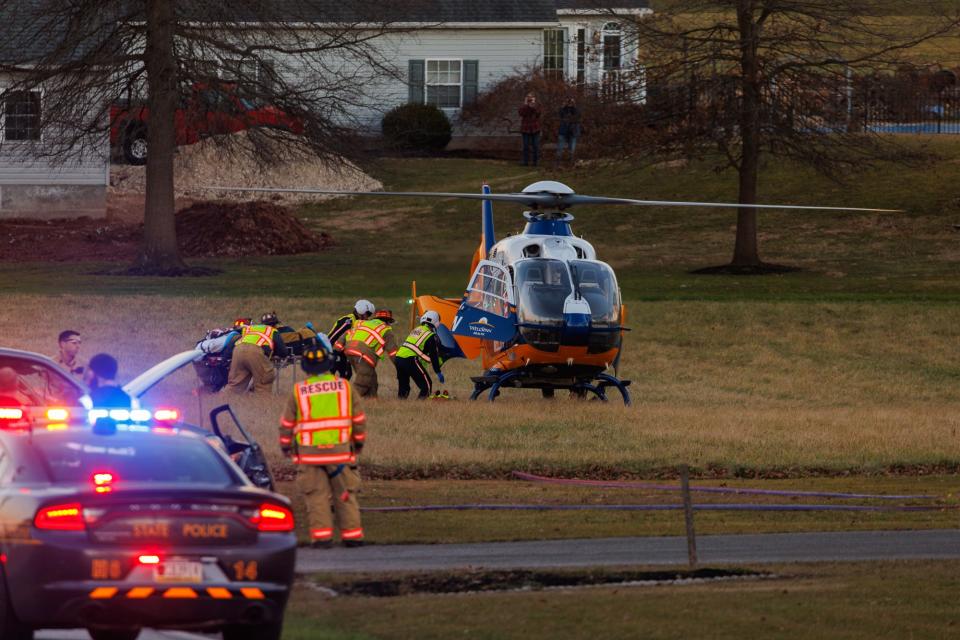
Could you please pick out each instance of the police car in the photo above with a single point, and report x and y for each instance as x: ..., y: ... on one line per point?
x: 116, y: 520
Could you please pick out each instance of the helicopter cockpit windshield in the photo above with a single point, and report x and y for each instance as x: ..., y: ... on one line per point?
x: 597, y: 284
x: 542, y: 288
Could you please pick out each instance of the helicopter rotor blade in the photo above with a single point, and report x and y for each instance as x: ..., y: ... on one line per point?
x: 572, y: 200
x: 547, y: 199
x: 530, y: 199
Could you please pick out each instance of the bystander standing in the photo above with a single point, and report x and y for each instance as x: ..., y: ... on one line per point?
x: 529, y: 113
x: 569, y: 130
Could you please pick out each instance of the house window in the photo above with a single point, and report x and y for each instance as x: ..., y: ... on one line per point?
x: 581, y: 55
x: 444, y: 83
x: 554, y: 41
x: 21, y: 115
x: 612, y: 47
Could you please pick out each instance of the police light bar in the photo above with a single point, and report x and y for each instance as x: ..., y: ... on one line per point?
x: 11, y: 414
x: 133, y: 415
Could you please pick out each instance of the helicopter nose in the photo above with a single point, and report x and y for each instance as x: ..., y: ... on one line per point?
x: 576, y: 322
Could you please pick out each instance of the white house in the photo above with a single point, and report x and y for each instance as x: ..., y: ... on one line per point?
x: 450, y: 50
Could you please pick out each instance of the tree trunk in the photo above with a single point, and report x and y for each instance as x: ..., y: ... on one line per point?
x: 160, y: 254
x: 746, y: 251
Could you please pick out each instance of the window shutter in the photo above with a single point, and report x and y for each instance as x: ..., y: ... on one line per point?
x: 471, y: 81
x: 416, y: 72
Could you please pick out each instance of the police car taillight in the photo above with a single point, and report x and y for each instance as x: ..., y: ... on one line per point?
x: 273, y: 517
x: 60, y: 517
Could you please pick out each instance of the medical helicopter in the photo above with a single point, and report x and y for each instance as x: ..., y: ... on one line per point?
x: 540, y: 309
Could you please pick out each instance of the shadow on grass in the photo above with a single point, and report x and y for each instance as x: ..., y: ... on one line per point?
x: 762, y: 269
x: 170, y: 272
x: 477, y: 581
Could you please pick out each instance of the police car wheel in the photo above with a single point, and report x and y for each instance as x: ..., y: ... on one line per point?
x: 10, y: 627
x: 114, y: 634
x: 271, y: 631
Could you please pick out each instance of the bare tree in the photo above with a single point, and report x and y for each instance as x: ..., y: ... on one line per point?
x: 775, y: 77
x: 314, y: 61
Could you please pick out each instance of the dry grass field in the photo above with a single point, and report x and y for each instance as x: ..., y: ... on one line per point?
x: 851, y: 600
x: 728, y: 387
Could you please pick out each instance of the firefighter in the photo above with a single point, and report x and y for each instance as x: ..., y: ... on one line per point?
x: 322, y: 431
x: 365, y: 345
x: 418, y: 350
x: 252, y: 353
x: 362, y: 310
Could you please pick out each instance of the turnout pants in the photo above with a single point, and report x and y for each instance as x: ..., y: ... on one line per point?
x: 330, y: 494
x: 364, y: 377
x: 250, y: 362
x: 408, y: 368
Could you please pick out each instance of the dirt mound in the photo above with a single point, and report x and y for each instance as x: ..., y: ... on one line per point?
x: 236, y: 229
x: 233, y: 161
x: 204, y: 229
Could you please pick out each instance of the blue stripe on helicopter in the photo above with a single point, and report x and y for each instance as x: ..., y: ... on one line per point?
x: 475, y: 323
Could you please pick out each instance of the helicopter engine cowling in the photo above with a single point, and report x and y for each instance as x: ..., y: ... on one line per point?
x: 576, y: 322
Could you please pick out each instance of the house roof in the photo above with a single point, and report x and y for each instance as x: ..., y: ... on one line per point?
x: 354, y: 11
x: 30, y: 30
x: 564, y: 6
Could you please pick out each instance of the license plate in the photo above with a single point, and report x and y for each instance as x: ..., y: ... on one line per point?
x: 178, y: 571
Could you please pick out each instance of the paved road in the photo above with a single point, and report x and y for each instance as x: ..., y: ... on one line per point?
x: 734, y: 549
x: 752, y: 549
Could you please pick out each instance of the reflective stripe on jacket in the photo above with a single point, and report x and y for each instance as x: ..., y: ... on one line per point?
x: 371, y: 333
x: 260, y: 335
x: 323, y: 429
x: 413, y: 346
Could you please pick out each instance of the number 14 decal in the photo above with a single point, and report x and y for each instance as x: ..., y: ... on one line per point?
x: 245, y: 570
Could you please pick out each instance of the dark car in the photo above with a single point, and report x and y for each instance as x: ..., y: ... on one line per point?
x: 118, y: 526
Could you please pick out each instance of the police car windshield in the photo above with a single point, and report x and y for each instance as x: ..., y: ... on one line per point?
x: 72, y: 458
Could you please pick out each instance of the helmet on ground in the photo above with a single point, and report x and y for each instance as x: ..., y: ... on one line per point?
x: 364, y: 308
x: 242, y: 322
x: 431, y: 318
x: 318, y: 357
x: 386, y: 315
x: 270, y: 319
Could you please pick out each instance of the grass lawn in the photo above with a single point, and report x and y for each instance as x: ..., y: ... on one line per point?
x: 383, y: 244
x: 856, y: 600
x: 848, y: 365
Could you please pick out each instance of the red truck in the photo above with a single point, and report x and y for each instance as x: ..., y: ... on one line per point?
x: 208, y: 110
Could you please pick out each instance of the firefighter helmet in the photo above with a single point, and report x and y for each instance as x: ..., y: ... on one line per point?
x: 386, y: 315
x: 318, y: 357
x: 364, y: 308
x: 431, y: 318
x: 270, y: 319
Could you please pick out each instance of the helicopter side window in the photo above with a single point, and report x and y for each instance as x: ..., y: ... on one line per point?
x: 490, y: 290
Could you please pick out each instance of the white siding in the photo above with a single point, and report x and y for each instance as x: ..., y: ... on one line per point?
x: 19, y: 164
x: 499, y: 52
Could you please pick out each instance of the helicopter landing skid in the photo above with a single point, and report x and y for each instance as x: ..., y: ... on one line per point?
x: 597, y: 385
